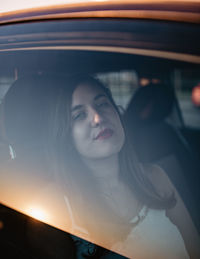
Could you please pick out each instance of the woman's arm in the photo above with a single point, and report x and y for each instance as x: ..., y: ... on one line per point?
x: 179, y: 214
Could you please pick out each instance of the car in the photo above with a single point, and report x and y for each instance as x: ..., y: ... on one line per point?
x: 147, y: 53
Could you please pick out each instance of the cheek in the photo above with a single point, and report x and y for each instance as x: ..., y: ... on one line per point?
x: 79, y: 135
x: 76, y: 134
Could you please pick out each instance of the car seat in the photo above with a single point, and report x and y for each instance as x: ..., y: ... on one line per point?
x: 24, y: 123
x: 157, y: 141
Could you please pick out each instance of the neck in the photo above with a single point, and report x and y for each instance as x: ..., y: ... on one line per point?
x: 105, y: 169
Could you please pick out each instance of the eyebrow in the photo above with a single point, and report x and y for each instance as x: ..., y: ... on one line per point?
x: 99, y: 96
x: 78, y: 107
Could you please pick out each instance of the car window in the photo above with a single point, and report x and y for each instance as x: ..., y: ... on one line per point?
x: 122, y: 85
x: 55, y: 77
x: 187, y: 85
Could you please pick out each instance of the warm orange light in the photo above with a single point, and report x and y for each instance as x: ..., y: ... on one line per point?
x: 196, y: 95
x: 144, y: 81
x: 11, y: 5
x: 155, y: 80
x: 1, y: 225
x: 37, y: 213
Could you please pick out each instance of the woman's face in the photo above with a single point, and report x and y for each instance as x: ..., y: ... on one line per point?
x: 96, y: 127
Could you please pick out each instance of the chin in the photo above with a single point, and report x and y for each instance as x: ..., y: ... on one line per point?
x: 106, y: 152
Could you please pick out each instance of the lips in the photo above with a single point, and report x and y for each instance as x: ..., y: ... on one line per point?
x: 104, y: 134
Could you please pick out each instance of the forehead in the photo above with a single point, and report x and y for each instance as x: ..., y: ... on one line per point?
x: 86, y: 93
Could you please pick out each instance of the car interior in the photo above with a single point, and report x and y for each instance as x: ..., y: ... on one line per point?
x: 153, y: 95
x: 157, y: 141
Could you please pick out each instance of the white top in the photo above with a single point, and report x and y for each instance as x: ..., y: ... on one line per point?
x: 155, y: 236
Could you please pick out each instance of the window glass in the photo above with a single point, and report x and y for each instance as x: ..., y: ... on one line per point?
x: 5, y: 82
x: 91, y: 162
x: 122, y: 85
x: 188, y: 94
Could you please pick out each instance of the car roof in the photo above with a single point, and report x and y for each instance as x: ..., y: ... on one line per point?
x: 171, y: 10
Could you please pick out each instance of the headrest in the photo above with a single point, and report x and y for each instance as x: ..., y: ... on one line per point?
x: 24, y: 107
x: 150, y: 104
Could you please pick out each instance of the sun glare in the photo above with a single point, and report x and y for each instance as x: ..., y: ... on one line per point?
x: 37, y: 213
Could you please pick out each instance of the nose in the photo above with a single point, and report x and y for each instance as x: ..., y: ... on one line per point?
x: 96, y: 119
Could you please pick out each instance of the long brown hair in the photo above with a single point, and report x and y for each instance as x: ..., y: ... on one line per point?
x: 78, y: 182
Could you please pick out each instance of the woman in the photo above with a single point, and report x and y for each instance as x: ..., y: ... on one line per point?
x: 109, y: 197
x: 113, y: 200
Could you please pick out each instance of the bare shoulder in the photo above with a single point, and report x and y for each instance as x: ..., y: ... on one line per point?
x: 159, y: 179
x: 178, y: 214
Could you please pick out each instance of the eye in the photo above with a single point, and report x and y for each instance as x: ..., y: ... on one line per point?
x: 103, y: 104
x: 79, y: 116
